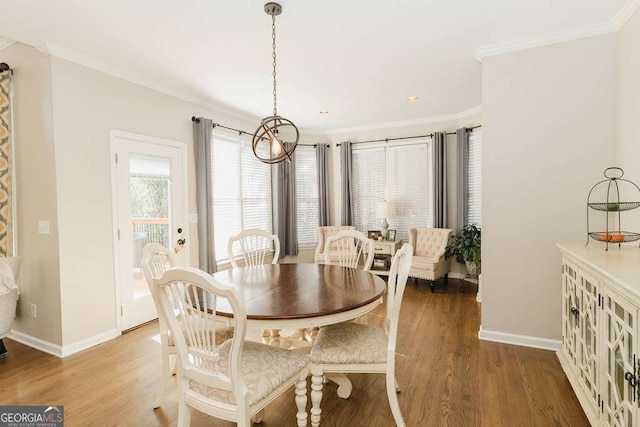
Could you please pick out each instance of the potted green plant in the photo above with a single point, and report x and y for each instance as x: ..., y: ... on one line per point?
x: 466, y: 249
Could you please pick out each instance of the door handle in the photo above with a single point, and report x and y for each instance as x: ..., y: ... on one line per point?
x: 180, y: 243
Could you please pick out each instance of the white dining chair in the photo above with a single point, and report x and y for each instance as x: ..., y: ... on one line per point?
x: 234, y: 380
x: 253, y: 246
x: 323, y: 233
x: 351, y: 347
x: 347, y: 247
x: 156, y: 259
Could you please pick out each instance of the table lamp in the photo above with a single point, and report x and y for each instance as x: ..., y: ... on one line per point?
x: 385, y: 210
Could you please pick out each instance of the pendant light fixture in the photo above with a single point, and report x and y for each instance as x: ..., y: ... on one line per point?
x: 279, y: 133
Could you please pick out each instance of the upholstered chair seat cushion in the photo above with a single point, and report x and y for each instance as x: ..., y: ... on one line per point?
x: 264, y: 369
x: 350, y: 342
x: 221, y: 335
x: 424, y: 263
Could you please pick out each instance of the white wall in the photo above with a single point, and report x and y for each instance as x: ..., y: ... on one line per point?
x: 549, y: 130
x: 36, y: 193
x: 628, y: 109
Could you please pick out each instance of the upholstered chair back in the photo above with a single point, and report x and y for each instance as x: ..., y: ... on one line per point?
x: 323, y: 233
x: 429, y: 242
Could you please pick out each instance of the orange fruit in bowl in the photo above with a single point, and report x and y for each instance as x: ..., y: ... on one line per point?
x: 604, y: 237
x: 616, y: 238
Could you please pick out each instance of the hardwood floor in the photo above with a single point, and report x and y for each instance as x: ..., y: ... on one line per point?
x: 447, y: 376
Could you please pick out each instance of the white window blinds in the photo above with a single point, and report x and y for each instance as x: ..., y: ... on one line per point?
x: 368, y: 186
x: 307, y: 195
x: 474, y: 186
x: 400, y: 174
x: 409, y: 187
x: 241, y: 191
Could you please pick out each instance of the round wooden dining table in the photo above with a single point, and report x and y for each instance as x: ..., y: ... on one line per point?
x: 302, y: 296
x: 283, y: 296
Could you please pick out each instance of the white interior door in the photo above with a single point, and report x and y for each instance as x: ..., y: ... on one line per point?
x: 149, y: 207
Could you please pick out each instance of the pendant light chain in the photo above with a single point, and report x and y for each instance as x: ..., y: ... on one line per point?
x: 273, y: 33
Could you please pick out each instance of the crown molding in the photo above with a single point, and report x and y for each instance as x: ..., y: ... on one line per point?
x: 413, y: 122
x: 5, y: 42
x: 470, y: 112
x: 51, y: 49
x: 622, y: 17
x: 627, y: 11
x: 546, y: 39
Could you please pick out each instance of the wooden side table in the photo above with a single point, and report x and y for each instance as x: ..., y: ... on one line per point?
x: 383, y: 251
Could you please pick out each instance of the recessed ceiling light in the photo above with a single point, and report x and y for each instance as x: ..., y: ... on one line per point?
x: 411, y: 98
x: 323, y: 112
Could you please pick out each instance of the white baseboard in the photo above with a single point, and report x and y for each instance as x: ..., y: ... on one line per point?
x: 522, y: 340
x: 37, y: 343
x: 457, y: 275
x: 89, y: 342
x: 58, y: 351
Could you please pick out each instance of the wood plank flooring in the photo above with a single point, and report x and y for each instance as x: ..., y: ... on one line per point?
x: 447, y: 376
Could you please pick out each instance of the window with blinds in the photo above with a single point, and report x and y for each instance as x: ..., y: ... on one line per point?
x: 368, y: 186
x: 241, y: 191
x: 398, y: 173
x: 474, y: 185
x: 307, y: 195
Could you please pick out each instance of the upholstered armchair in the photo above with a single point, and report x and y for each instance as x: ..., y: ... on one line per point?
x: 428, y: 254
x: 323, y: 233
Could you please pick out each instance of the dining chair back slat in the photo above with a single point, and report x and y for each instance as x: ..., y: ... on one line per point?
x: 347, y: 247
x: 252, y: 247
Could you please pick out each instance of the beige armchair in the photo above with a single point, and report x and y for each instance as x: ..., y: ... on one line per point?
x: 428, y: 254
x: 323, y: 233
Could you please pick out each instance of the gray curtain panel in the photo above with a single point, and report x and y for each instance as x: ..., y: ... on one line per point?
x: 203, y: 150
x: 439, y: 180
x: 284, y: 201
x: 322, y: 162
x: 462, y: 196
x: 347, y: 194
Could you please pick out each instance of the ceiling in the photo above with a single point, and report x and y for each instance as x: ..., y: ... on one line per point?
x: 357, y: 59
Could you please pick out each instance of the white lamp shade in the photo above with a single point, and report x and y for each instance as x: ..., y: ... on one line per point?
x: 385, y: 210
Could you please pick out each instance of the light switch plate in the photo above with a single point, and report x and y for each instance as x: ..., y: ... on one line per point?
x: 43, y: 227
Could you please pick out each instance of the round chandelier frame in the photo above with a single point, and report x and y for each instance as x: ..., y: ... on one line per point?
x: 270, y: 127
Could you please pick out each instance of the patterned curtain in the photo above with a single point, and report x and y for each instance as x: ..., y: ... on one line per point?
x: 6, y: 168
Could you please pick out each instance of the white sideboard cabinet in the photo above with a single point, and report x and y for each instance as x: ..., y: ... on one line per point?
x: 600, y: 331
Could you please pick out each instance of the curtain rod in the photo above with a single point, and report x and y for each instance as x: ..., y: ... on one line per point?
x: 240, y: 131
x: 408, y: 137
x: 5, y: 67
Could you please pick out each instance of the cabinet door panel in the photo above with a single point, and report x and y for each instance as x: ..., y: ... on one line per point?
x: 587, y: 337
x: 569, y: 320
x: 620, y: 327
